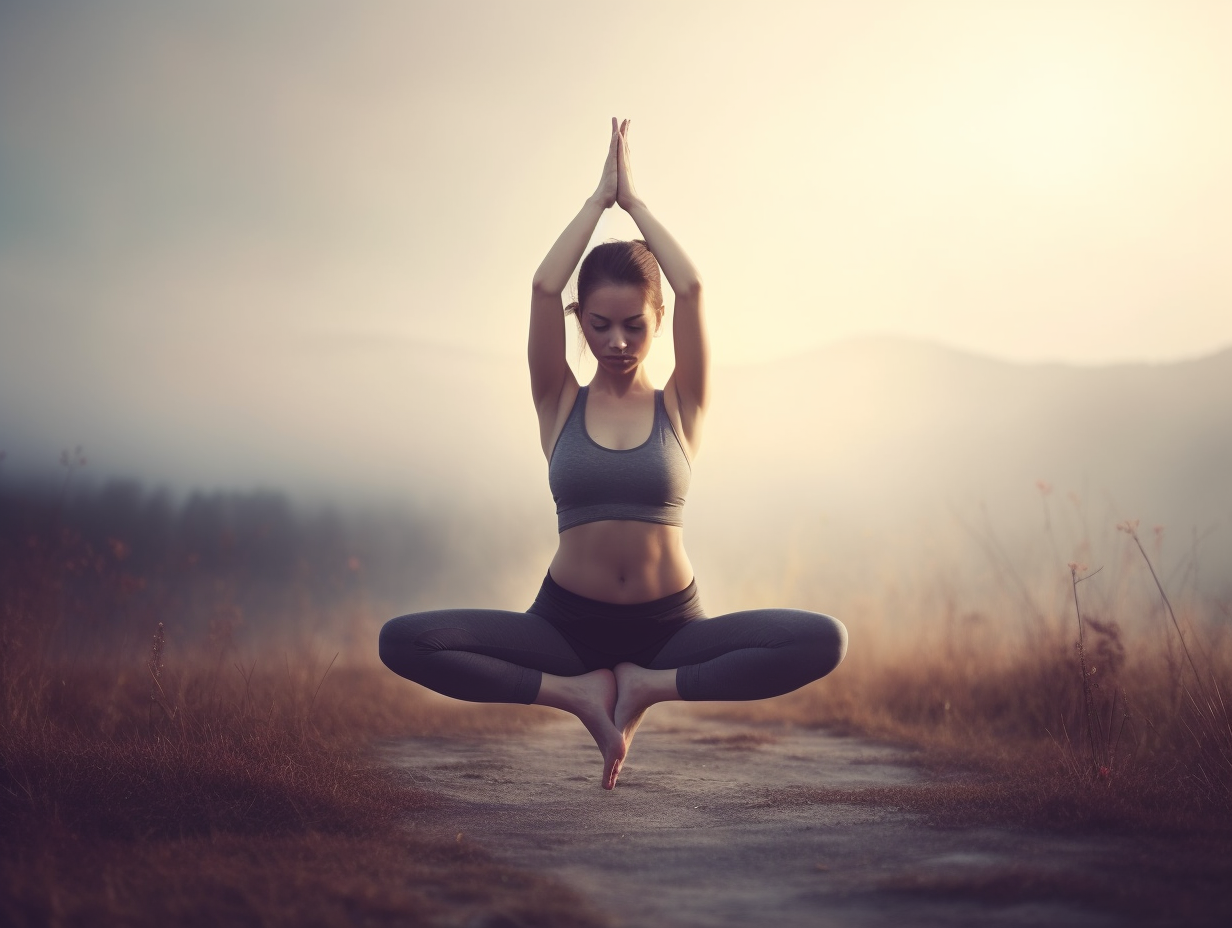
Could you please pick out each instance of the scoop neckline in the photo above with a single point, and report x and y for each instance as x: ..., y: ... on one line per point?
x: 654, y: 418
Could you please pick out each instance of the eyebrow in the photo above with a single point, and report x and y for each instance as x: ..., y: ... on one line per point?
x: 627, y: 318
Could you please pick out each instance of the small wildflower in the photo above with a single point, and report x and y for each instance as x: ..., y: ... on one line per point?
x: 1076, y: 567
x: 1129, y: 527
x: 353, y: 564
x: 1104, y: 772
x: 1044, y: 487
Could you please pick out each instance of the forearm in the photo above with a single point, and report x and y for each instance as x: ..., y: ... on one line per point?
x: 677, y: 268
x: 556, y: 269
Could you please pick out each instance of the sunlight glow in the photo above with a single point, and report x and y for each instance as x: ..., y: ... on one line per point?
x: 310, y: 204
x: 1053, y: 127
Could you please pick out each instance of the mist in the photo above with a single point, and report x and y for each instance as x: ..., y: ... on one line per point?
x: 883, y: 477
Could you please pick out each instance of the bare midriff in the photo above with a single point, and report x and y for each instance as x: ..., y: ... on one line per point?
x: 622, y: 561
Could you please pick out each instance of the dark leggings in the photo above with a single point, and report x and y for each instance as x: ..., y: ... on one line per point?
x: 489, y: 655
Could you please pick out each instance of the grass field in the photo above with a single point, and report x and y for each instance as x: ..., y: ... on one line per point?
x: 178, y: 777
x: 1112, y: 715
x: 152, y: 772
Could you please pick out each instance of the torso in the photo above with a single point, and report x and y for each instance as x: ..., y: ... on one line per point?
x: 622, y: 562
x: 619, y: 561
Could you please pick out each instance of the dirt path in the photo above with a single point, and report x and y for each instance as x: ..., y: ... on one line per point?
x: 697, y: 832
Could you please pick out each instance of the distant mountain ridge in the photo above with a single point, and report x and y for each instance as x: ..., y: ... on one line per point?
x: 1150, y: 431
x: 868, y: 430
x: 876, y: 433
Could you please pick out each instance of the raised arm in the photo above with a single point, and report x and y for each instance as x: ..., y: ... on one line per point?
x: 690, y: 379
x: 549, y: 369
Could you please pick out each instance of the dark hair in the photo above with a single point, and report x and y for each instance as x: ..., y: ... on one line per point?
x: 619, y: 263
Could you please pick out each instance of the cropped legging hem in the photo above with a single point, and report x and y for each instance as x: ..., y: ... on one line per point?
x: 489, y: 655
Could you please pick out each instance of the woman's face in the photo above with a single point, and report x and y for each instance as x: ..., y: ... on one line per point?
x: 619, y: 326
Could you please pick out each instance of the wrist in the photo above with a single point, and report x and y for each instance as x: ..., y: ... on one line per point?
x: 633, y: 204
x: 597, y: 201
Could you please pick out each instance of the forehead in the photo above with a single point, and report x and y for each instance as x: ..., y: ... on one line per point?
x: 616, y: 301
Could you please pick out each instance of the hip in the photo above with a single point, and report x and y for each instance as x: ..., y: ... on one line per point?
x: 604, y: 634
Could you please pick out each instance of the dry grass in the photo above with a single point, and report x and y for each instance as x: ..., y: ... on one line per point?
x: 1068, y: 723
x: 247, y: 802
x: 240, y: 802
x: 1017, y: 725
x: 1088, y: 731
x: 185, y: 783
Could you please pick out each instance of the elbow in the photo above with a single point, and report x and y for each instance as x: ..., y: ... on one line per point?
x: 689, y: 289
x: 541, y: 286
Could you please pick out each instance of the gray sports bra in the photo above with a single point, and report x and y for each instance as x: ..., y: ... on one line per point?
x: 591, y: 483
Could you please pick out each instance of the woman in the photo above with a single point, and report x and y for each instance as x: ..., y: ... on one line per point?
x: 617, y: 625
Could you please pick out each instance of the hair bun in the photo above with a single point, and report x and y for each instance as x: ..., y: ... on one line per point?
x: 573, y: 308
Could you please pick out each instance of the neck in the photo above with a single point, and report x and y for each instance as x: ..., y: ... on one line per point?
x: 635, y: 381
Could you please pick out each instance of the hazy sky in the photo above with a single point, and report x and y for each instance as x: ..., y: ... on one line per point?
x: 222, y: 222
x: 1030, y: 180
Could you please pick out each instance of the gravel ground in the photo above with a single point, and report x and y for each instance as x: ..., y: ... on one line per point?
x: 697, y: 832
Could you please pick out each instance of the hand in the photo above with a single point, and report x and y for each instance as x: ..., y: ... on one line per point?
x: 606, y: 192
x: 626, y: 196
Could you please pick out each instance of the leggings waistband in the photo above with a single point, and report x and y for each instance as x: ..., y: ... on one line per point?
x: 555, y: 601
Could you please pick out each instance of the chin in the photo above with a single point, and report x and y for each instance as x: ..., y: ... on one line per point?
x: 622, y: 367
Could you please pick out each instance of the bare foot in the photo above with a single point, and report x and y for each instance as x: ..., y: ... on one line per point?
x: 592, y: 698
x: 637, y: 689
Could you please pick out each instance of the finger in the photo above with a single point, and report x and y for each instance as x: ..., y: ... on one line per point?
x: 613, y: 125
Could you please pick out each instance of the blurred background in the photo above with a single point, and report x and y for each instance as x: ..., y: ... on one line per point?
x: 968, y: 268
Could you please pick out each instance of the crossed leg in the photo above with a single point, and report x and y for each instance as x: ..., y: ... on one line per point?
x: 747, y: 655
x: 488, y: 655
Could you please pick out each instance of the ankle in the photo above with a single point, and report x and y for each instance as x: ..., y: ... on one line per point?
x: 573, y: 694
x: 646, y: 686
x: 659, y: 684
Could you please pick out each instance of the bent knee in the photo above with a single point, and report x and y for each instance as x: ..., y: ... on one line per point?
x: 823, y: 638
x: 406, y: 640
x: 839, y: 631
x: 392, y: 643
